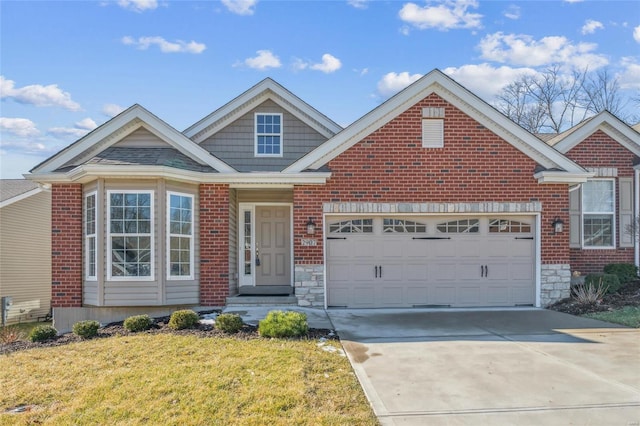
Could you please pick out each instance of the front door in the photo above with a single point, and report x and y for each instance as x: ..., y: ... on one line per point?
x: 273, y: 245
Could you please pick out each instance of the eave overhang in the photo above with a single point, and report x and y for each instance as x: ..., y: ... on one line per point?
x: 554, y: 176
x: 90, y: 172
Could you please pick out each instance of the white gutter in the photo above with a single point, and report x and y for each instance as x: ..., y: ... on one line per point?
x: 552, y: 176
x: 88, y: 173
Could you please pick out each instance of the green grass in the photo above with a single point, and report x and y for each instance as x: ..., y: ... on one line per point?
x: 171, y: 380
x: 629, y: 316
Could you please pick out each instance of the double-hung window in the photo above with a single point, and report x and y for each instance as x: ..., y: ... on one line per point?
x: 180, y: 235
x: 268, y: 135
x: 130, y: 235
x: 90, y: 235
x: 598, y: 213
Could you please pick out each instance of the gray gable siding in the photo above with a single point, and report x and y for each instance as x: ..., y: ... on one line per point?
x: 235, y: 144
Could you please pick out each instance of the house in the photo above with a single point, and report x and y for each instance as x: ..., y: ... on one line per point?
x: 25, y: 249
x: 432, y: 199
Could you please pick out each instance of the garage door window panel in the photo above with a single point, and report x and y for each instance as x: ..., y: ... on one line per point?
x: 465, y: 226
x: 402, y: 226
x: 508, y: 226
x: 598, y: 213
x: 353, y: 226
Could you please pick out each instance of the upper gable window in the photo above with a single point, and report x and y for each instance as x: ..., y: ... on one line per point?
x: 268, y: 135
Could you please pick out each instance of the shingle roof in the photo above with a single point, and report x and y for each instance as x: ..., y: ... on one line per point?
x: 168, y: 157
x: 10, y: 188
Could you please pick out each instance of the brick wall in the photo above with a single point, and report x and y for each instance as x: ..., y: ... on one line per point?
x: 214, y: 244
x: 600, y: 150
x: 66, y: 245
x: 390, y: 165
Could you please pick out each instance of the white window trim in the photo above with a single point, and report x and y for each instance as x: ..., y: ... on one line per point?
x: 255, y: 134
x: 87, y: 238
x: 191, y: 276
x: 613, y: 222
x: 151, y: 277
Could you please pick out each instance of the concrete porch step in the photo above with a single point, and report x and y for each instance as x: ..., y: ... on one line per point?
x: 261, y: 300
x: 266, y: 290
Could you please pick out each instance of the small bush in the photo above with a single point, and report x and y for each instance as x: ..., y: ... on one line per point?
x: 182, y: 319
x: 42, y: 333
x: 138, y: 323
x: 86, y: 329
x: 610, y: 281
x: 626, y: 272
x: 589, y: 294
x: 229, y: 323
x: 10, y: 334
x: 283, y: 324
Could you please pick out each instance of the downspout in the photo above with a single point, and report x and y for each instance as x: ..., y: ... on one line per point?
x: 636, y: 212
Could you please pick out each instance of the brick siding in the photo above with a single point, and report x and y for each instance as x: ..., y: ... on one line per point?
x: 214, y: 244
x: 66, y: 245
x: 390, y: 165
x: 600, y: 150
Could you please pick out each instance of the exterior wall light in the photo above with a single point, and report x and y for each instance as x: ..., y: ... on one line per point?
x: 558, y: 225
x: 311, y: 227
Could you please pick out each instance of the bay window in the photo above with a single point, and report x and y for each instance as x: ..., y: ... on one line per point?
x: 180, y: 236
x: 130, y: 235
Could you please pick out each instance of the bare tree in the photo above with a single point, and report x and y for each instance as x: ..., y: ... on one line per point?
x: 552, y: 101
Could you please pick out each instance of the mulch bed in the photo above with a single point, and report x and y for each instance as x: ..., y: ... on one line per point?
x: 160, y: 326
x: 628, y: 295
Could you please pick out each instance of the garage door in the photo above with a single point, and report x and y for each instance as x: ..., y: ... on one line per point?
x: 430, y: 261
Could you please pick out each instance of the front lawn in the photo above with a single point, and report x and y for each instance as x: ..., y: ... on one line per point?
x: 182, y: 379
x: 629, y: 316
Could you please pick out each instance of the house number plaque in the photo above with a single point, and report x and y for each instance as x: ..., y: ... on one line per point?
x: 309, y: 242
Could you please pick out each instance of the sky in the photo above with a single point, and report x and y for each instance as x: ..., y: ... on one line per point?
x: 67, y: 67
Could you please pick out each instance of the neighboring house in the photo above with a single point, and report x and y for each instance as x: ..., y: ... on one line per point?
x: 433, y: 198
x: 25, y: 249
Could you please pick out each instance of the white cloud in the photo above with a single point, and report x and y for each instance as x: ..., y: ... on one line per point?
x: 446, y: 15
x: 111, y: 110
x: 512, y: 12
x: 328, y: 65
x: 265, y: 59
x: 394, y: 82
x: 484, y: 80
x: 241, y: 7
x: 636, y: 33
x: 78, y: 130
x: 37, y: 95
x: 573, y: 1
x: 178, y: 46
x: 138, y: 5
x: 590, y: 26
x: 358, y: 4
x: 630, y: 76
x: 21, y: 127
x: 523, y: 50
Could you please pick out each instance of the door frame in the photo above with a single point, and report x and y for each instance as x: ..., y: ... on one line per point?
x: 537, y: 221
x: 250, y: 280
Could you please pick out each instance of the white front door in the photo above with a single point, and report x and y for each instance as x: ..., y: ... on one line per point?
x: 265, y: 249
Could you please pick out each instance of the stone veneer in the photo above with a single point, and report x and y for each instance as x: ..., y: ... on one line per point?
x: 555, y: 283
x: 309, y: 285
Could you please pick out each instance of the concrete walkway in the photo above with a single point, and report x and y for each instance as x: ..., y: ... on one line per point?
x: 518, y: 367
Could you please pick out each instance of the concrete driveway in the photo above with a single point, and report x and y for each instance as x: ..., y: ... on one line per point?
x: 515, y: 367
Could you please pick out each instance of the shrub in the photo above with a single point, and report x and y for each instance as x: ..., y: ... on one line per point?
x: 626, y: 272
x: 42, y: 333
x: 138, y: 323
x: 10, y: 334
x: 182, y: 319
x: 589, y: 294
x: 283, y: 324
x: 229, y: 323
x: 86, y: 329
x: 610, y: 281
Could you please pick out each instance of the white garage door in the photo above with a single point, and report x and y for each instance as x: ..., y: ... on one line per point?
x: 430, y: 261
